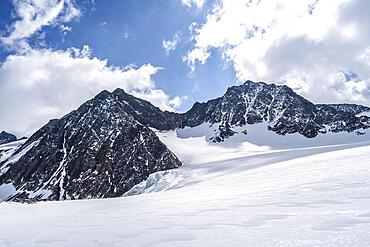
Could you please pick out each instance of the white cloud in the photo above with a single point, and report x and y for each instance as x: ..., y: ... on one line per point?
x: 305, y: 44
x: 197, y: 54
x: 45, y: 84
x: 170, y: 45
x: 32, y: 15
x: 190, y: 3
x: 177, y: 101
x: 65, y: 29
x: 70, y: 11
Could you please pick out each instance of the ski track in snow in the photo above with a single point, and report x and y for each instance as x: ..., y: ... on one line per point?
x: 244, y: 195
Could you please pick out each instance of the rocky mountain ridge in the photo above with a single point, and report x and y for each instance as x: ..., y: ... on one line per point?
x: 106, y: 146
x: 284, y: 111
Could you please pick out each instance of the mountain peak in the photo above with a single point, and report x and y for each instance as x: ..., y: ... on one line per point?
x: 284, y: 111
x: 6, y: 137
x: 103, y: 94
x: 99, y: 150
x: 119, y: 91
x: 249, y: 82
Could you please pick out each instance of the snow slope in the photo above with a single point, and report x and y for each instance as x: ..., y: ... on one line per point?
x: 6, y: 151
x: 257, y: 196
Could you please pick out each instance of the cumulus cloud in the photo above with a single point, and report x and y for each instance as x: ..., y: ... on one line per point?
x: 44, y: 84
x: 170, y: 45
x: 311, y: 45
x: 190, y: 3
x: 32, y: 15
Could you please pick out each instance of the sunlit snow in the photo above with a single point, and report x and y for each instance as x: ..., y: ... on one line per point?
x: 232, y: 195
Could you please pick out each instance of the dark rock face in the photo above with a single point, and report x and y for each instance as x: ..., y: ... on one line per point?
x: 7, y: 137
x: 285, y: 112
x: 98, y: 151
x: 346, y: 108
x: 145, y: 113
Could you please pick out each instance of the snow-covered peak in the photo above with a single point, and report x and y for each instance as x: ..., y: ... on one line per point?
x: 99, y: 150
x: 284, y: 111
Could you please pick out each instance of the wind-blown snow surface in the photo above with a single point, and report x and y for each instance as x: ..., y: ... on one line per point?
x: 232, y: 195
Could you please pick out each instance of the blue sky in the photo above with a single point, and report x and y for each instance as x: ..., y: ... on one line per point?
x: 132, y: 32
x: 56, y: 54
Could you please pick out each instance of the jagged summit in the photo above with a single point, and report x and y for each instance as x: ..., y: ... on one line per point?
x: 99, y: 150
